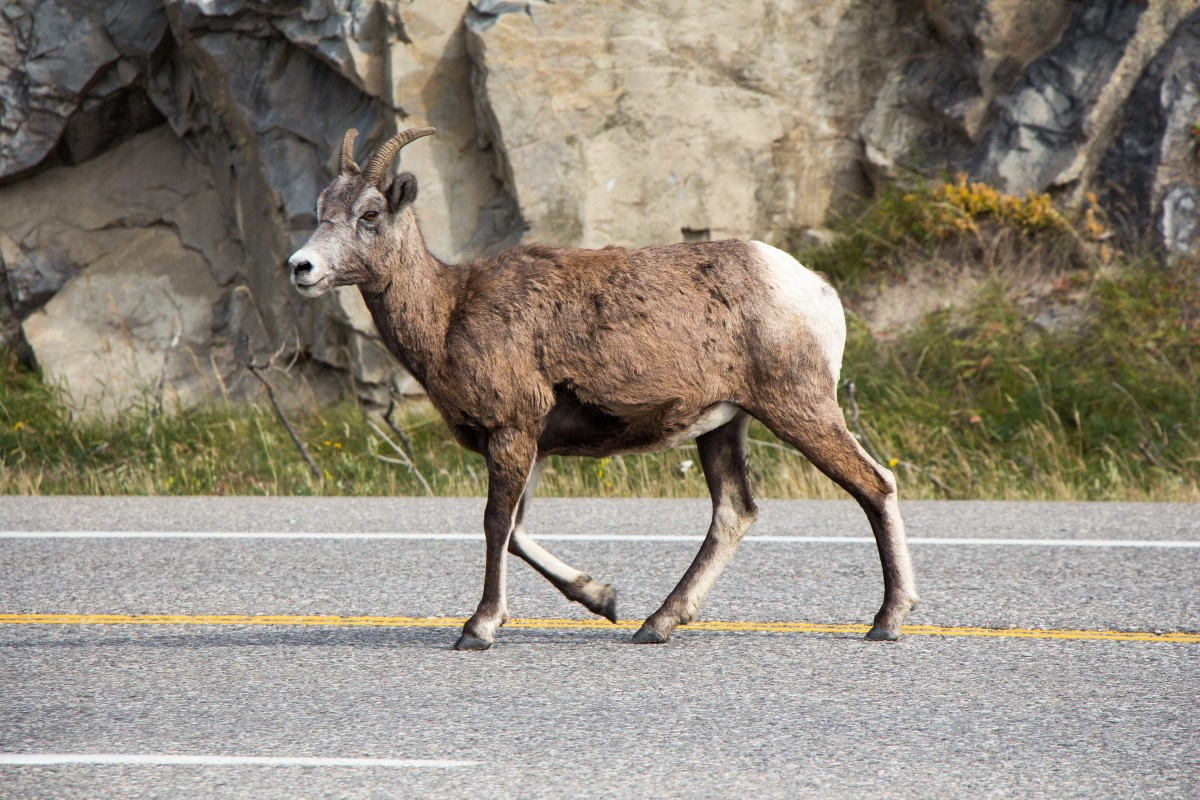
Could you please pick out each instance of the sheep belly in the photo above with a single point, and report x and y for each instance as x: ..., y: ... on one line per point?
x: 580, y: 429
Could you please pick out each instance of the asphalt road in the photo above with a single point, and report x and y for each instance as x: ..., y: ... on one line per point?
x: 580, y: 712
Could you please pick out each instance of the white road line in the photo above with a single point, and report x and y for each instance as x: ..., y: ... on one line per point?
x: 134, y: 759
x: 593, y: 537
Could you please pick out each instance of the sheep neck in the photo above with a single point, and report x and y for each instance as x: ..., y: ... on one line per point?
x: 412, y: 310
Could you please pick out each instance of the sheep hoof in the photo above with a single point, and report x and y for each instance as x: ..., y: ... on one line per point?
x: 880, y: 634
x: 647, y: 635
x: 607, y: 605
x: 467, y: 642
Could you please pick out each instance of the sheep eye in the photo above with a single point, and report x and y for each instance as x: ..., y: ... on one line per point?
x: 370, y: 216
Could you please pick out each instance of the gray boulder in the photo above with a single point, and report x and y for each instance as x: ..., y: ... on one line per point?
x: 1149, y: 173
x: 1066, y: 97
x: 126, y: 289
x: 623, y: 124
x: 72, y: 77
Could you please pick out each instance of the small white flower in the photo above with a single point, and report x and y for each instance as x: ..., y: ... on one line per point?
x: 685, y: 466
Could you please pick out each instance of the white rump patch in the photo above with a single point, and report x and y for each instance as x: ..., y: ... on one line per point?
x: 713, y: 417
x: 800, y: 292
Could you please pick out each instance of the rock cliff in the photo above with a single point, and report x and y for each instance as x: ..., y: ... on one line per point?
x: 159, y: 159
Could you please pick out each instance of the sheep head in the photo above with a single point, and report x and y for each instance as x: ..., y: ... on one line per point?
x: 357, y: 220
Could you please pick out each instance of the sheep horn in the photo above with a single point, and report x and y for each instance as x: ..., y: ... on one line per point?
x: 346, y: 162
x: 384, y: 155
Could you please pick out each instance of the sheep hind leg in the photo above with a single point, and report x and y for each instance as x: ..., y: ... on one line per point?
x: 599, y: 598
x: 723, y: 457
x: 818, y: 430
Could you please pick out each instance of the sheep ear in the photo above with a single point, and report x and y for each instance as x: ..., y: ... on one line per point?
x: 402, y: 192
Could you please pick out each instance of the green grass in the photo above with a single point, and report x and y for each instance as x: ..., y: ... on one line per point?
x: 982, y: 402
x: 994, y: 406
x: 244, y: 449
x: 972, y: 402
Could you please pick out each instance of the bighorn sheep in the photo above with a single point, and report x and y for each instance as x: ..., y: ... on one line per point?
x: 541, y: 351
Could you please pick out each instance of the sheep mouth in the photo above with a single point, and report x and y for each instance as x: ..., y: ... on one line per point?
x: 315, y: 288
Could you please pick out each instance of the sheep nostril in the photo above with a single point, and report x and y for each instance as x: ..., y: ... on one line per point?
x: 300, y: 267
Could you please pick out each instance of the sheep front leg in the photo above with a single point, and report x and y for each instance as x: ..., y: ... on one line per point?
x: 599, y: 598
x: 510, y: 458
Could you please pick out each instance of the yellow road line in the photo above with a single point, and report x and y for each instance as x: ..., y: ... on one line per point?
x: 582, y: 624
